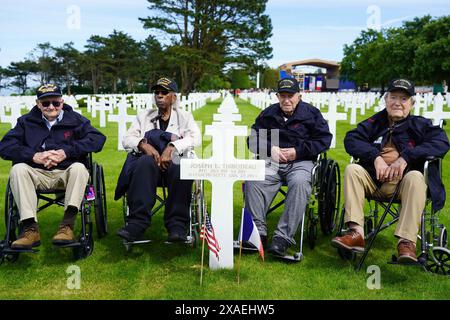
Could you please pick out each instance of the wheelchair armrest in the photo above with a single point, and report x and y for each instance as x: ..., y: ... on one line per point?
x: 314, y: 171
x: 426, y: 166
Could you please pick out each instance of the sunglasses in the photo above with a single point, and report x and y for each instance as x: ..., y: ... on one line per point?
x: 163, y: 92
x: 47, y: 104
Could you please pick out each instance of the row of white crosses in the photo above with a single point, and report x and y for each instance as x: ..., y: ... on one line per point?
x: 354, y: 103
x: 122, y: 117
x: 222, y: 170
x: 12, y: 107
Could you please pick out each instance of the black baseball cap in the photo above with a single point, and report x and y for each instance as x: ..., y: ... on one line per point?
x: 402, y: 84
x: 165, y: 83
x: 48, y: 90
x: 288, y: 85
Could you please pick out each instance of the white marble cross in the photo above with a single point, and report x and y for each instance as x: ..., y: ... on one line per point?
x: 12, y: 118
x: 122, y: 118
x: 102, y: 106
x: 223, y: 170
x: 332, y: 116
x: 438, y: 110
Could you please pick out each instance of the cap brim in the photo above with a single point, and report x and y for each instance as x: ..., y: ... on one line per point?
x: 50, y: 94
x: 401, y: 89
x: 287, y: 90
x: 161, y: 86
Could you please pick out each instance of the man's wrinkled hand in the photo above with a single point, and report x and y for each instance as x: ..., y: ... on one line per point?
x: 289, y: 153
x: 380, y: 168
x: 277, y: 155
x: 40, y: 157
x: 150, y: 150
x: 57, y: 156
x: 166, y: 157
x: 396, y: 170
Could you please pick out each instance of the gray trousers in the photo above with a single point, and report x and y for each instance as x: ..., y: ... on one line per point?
x: 260, y: 194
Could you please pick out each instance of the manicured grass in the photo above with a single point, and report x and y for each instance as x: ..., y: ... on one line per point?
x: 159, y: 271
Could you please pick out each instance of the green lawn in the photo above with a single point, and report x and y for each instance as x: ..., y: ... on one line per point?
x: 159, y: 271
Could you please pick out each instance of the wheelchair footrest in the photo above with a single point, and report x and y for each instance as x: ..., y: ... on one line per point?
x: 130, y: 243
x: 68, y: 245
x: 189, y: 241
x: 394, y: 260
x: 11, y: 250
x: 237, y: 246
x: 296, y: 257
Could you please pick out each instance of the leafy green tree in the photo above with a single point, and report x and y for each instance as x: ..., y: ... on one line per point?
x: 20, y: 72
x: 154, y: 62
x: 239, y: 79
x: 67, y: 64
x: 432, y: 61
x: 96, y: 60
x: 43, y: 55
x: 206, y: 35
x: 270, y: 78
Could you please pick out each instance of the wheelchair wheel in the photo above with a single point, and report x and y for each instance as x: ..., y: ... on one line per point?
x: 13, y: 227
x: 329, y: 198
x: 86, y: 246
x: 440, y: 261
x: 101, y: 219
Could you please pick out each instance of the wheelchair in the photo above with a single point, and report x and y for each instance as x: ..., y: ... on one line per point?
x: 322, y: 208
x: 434, y: 253
x: 197, y: 212
x: 95, y: 197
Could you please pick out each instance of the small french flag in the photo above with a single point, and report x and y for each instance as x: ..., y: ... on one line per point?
x: 249, y: 232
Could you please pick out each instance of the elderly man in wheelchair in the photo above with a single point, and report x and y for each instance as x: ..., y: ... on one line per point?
x: 48, y: 147
x: 156, y: 141
x: 302, y: 134
x: 392, y: 147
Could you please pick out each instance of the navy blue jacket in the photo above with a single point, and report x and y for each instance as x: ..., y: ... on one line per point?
x: 74, y: 134
x: 415, y: 138
x: 305, y: 130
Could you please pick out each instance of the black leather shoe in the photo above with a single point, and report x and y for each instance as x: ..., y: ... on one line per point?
x: 278, y: 247
x: 177, y: 236
x: 127, y: 235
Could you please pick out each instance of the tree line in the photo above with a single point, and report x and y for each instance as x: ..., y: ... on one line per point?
x: 418, y: 50
x: 203, y: 44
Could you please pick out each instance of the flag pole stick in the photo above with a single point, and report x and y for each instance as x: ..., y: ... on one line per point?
x: 203, y: 245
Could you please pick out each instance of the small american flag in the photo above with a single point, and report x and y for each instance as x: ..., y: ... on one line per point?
x: 207, y: 232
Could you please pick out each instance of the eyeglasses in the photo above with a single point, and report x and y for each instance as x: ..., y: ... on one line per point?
x: 163, y: 92
x: 47, y: 104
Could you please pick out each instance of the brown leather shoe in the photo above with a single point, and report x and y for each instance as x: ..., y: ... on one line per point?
x: 406, y: 252
x: 30, y: 238
x: 352, y: 240
x: 64, y: 235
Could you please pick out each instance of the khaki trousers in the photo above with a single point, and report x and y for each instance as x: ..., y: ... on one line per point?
x: 412, y: 193
x: 25, y: 180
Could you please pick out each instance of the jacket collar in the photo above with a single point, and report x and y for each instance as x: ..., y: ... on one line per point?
x: 300, y: 113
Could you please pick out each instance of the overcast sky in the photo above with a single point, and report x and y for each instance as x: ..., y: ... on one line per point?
x: 301, y: 29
